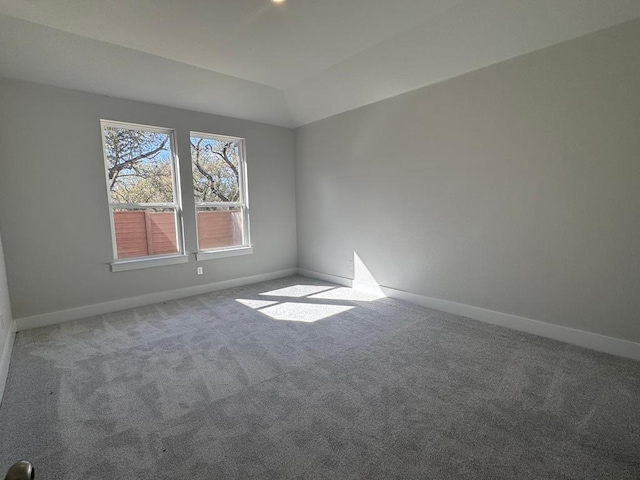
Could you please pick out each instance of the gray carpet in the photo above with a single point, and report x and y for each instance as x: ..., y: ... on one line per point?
x: 227, y: 385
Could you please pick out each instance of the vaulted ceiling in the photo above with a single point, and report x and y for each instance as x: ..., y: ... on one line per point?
x: 287, y: 64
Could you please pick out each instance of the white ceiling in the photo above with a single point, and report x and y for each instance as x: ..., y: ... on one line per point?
x: 287, y: 64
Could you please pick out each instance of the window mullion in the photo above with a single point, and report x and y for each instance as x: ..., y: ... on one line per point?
x: 138, y: 206
x: 219, y: 204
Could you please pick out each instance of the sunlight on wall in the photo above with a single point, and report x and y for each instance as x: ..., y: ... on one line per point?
x: 363, y: 279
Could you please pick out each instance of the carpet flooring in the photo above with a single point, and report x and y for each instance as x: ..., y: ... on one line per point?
x: 296, y: 378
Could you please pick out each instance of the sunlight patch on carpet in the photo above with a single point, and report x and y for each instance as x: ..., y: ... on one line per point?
x: 297, y: 291
x: 303, y: 312
x: 255, y: 304
x: 349, y: 294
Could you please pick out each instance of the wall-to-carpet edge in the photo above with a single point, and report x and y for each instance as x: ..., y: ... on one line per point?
x: 52, y: 318
x: 593, y: 341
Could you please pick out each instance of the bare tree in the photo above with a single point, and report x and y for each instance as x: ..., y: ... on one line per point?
x: 138, y: 166
x: 216, y: 175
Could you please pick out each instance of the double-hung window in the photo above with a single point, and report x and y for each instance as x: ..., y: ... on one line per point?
x: 143, y: 188
x: 220, y: 188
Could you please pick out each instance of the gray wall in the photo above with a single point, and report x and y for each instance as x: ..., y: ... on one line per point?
x: 53, y: 202
x: 6, y: 320
x: 515, y: 188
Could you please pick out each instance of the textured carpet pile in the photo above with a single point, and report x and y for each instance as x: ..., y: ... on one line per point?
x: 295, y: 378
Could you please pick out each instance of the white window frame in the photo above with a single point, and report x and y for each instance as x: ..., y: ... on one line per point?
x: 146, y: 261
x: 246, y: 247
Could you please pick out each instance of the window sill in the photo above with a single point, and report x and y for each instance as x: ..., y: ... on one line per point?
x: 138, y: 263
x: 229, y: 252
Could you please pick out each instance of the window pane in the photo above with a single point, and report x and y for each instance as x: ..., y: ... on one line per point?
x: 145, y: 231
x: 216, y: 170
x: 138, y: 165
x: 219, y: 227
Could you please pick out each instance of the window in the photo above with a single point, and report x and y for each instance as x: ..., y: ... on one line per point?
x: 144, y: 198
x: 220, y: 190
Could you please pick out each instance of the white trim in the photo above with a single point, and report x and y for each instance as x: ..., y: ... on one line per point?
x: 142, y: 206
x: 227, y: 252
x: 135, y: 126
x: 147, y: 262
x: 345, y: 282
x: 216, y: 136
x: 594, y: 341
x: 243, y: 186
x: 219, y: 204
x: 77, y: 313
x: 6, y: 357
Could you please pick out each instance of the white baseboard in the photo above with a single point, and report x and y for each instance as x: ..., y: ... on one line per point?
x: 345, y: 282
x: 60, y: 316
x: 5, y: 360
x: 594, y: 341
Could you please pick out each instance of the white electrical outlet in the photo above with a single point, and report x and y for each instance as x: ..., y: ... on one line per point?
x: 199, y: 270
x: 350, y: 265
